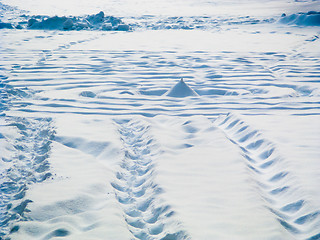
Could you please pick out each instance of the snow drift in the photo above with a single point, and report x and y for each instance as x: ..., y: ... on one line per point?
x: 311, y: 18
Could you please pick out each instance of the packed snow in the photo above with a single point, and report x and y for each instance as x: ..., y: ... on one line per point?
x: 159, y: 119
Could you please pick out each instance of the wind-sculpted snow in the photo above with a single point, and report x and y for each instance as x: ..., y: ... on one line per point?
x: 105, y: 87
x: 276, y: 184
x: 148, y: 216
x: 311, y: 18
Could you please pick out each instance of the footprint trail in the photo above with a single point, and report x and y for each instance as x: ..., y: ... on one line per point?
x: 148, y: 216
x: 26, y: 162
x: 276, y: 185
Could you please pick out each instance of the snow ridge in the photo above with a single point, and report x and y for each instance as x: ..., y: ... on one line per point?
x: 275, y: 183
x: 147, y: 215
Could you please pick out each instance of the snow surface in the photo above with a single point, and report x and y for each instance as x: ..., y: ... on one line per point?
x: 100, y: 139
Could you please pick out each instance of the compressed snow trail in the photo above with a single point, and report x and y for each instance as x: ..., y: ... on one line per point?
x: 276, y: 184
x: 25, y: 148
x: 148, y: 216
x: 27, y: 163
x: 46, y: 54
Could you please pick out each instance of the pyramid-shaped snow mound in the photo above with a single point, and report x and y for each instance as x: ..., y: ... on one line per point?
x: 181, y: 89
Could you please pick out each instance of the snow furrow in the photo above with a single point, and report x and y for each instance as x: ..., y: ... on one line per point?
x: 276, y: 184
x: 147, y: 215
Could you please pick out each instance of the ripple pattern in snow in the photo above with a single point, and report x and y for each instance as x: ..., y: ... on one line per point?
x: 97, y: 84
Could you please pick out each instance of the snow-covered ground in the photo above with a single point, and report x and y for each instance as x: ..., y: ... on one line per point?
x: 101, y: 139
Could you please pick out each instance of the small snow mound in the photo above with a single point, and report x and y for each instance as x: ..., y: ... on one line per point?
x: 181, y: 89
x: 311, y: 18
x: 315, y: 93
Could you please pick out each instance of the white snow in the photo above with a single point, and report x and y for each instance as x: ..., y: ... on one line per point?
x: 100, y: 139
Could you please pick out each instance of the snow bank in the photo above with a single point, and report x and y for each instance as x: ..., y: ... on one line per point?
x: 311, y: 18
x: 91, y: 22
x: 98, y: 22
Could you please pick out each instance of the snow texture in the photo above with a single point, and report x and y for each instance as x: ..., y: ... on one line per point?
x: 100, y: 139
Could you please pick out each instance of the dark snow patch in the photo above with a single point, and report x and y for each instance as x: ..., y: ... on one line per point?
x: 181, y: 89
x: 88, y: 94
x: 311, y: 18
x: 6, y: 25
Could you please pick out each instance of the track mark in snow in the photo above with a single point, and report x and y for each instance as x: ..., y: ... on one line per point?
x: 147, y: 215
x: 26, y: 163
x: 47, y: 54
x: 275, y: 183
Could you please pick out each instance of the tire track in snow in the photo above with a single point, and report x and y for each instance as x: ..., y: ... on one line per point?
x: 277, y: 185
x: 147, y: 215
